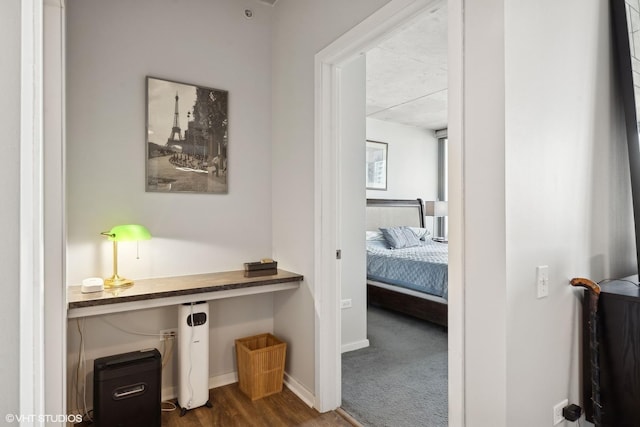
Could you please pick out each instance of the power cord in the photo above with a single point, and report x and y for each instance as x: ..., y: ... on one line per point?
x: 190, y: 359
x: 81, y: 372
x: 166, y: 356
x: 144, y: 334
x: 172, y: 406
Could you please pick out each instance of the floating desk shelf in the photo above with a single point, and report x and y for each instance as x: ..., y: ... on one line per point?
x: 165, y: 291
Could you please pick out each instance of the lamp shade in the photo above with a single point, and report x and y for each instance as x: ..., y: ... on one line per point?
x: 128, y: 233
x: 435, y: 208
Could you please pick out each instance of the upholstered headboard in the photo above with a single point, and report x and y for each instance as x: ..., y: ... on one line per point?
x: 390, y: 213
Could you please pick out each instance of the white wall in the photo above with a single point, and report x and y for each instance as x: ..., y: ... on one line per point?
x: 567, y: 191
x: 301, y: 29
x: 10, y: 212
x: 353, y: 267
x: 548, y: 153
x: 412, y: 161
x: 211, y: 44
x: 111, y: 47
x: 483, y: 214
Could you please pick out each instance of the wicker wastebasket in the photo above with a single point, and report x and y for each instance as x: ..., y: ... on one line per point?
x: 260, y: 365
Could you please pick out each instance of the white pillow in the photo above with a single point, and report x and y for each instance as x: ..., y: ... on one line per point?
x: 421, y: 233
x: 375, y: 235
x: 400, y: 237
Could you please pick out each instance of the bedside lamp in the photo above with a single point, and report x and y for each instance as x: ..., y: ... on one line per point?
x: 123, y: 233
x: 436, y: 209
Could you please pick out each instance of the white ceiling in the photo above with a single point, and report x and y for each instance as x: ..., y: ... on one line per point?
x: 407, y: 73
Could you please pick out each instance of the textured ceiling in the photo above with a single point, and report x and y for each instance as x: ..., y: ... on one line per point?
x: 407, y: 73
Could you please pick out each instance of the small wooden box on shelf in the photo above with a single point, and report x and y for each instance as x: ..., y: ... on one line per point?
x: 265, y: 267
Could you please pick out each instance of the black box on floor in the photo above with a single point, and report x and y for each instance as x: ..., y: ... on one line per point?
x: 126, y: 389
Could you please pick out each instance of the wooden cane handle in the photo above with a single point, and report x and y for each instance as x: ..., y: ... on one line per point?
x: 587, y: 284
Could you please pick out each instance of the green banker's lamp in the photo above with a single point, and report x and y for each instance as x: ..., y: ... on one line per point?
x: 123, y: 233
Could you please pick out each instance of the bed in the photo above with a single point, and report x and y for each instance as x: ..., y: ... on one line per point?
x: 411, y: 280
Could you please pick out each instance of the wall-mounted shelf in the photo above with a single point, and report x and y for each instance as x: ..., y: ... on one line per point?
x: 165, y: 291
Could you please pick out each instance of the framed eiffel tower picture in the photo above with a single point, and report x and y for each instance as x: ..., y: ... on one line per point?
x: 187, y: 139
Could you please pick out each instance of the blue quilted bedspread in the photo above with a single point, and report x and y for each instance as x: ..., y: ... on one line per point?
x: 421, y: 268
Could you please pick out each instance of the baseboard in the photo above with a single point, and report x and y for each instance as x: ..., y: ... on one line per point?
x: 220, y: 380
x: 296, y: 387
x: 357, y: 345
x: 299, y: 390
x: 171, y: 392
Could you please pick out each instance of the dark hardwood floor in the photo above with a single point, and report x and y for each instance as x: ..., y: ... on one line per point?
x: 232, y: 408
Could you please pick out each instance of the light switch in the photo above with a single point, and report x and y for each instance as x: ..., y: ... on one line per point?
x: 542, y: 280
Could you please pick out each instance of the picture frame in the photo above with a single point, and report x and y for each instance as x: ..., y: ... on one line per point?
x: 186, y: 138
x: 376, y: 161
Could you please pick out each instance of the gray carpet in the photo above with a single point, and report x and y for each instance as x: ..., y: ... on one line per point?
x: 401, y: 378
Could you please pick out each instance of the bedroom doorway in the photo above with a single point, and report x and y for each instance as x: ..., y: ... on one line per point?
x: 330, y: 66
x: 394, y: 338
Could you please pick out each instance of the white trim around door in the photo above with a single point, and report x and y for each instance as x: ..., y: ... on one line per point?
x: 31, y: 211
x: 43, y: 346
x: 54, y: 261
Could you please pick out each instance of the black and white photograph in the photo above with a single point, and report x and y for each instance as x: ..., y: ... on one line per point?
x: 187, y: 138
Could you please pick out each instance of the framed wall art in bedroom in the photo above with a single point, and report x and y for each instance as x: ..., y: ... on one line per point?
x: 376, y: 165
x: 187, y: 138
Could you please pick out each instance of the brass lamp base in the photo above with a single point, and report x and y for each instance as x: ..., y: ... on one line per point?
x: 117, y: 282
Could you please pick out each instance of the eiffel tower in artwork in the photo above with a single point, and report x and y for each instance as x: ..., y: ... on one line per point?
x: 175, y: 130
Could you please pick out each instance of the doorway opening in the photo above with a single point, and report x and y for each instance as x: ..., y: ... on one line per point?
x: 394, y: 337
x: 330, y: 68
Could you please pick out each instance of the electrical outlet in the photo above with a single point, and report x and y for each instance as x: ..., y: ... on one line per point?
x: 557, y: 412
x: 345, y: 303
x: 168, y: 333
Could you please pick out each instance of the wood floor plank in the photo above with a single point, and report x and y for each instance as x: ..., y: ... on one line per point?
x: 232, y: 408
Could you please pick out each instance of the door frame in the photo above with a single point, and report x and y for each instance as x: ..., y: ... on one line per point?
x: 31, y: 324
x: 327, y: 185
x: 43, y: 319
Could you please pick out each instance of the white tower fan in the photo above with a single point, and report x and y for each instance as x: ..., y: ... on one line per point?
x: 193, y: 356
